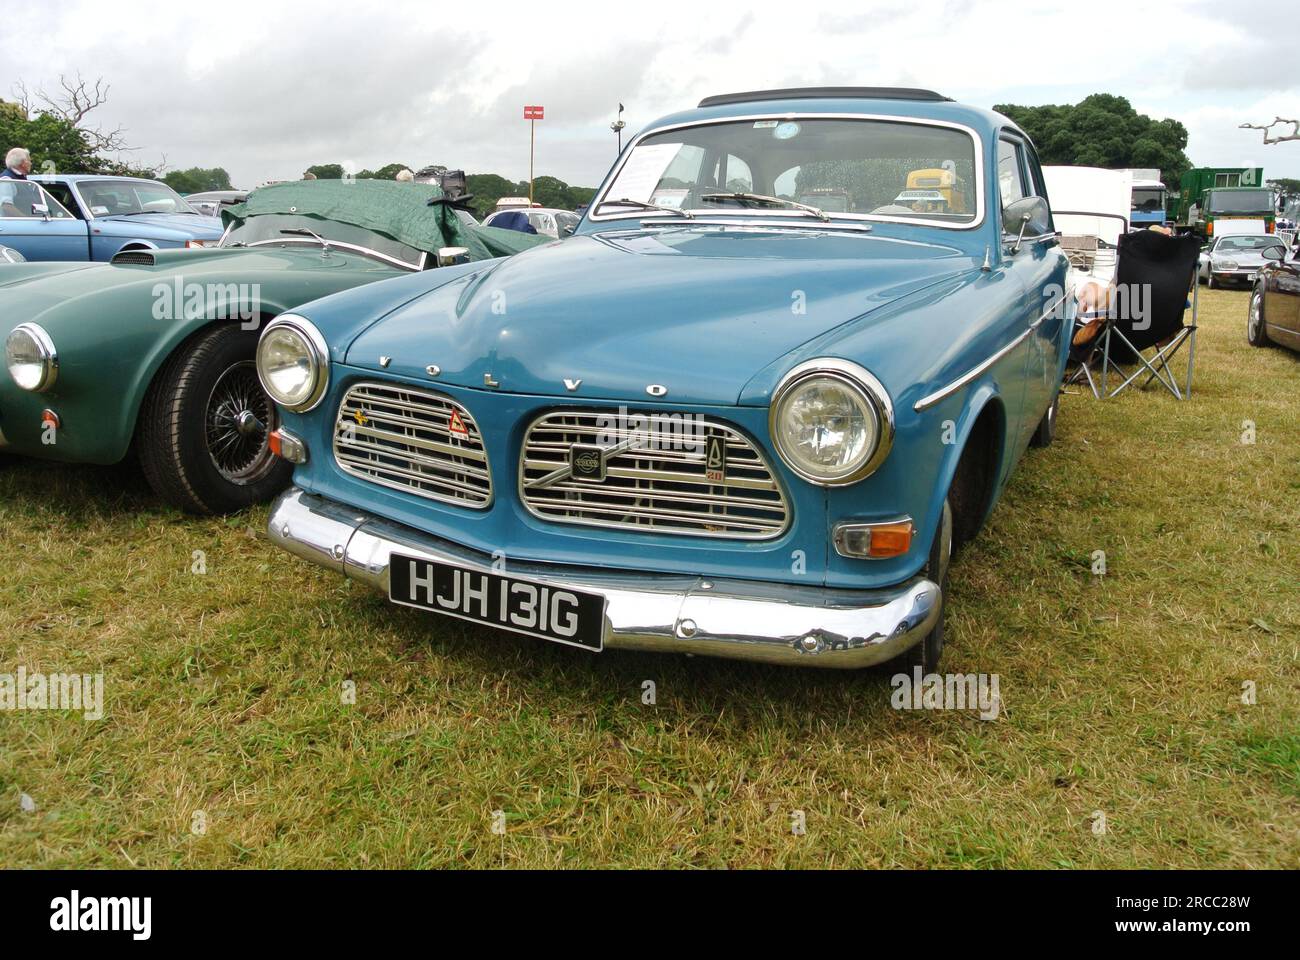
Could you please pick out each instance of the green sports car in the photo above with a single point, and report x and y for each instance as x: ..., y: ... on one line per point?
x: 153, y: 353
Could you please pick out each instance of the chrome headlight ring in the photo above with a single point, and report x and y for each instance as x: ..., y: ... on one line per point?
x: 290, y: 330
x: 860, y: 382
x: 42, y: 349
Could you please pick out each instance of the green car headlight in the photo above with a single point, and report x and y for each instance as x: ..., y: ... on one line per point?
x: 293, y: 363
x: 832, y: 422
x: 30, y: 356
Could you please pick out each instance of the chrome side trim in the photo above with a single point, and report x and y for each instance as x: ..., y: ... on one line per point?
x: 943, y: 393
x: 781, y: 623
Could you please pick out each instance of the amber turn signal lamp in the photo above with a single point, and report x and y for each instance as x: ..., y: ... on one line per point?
x: 874, y: 541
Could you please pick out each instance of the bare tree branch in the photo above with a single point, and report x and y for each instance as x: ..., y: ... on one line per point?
x: 1293, y: 135
x: 75, y: 101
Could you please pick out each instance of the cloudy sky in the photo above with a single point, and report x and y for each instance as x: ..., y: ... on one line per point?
x: 265, y: 89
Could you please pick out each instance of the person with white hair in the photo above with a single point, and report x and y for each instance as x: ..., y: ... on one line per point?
x: 18, y: 163
x: 405, y: 176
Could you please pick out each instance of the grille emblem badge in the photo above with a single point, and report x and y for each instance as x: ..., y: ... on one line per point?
x: 489, y: 382
x: 456, y: 426
x: 571, y: 385
x: 587, y: 462
x: 715, y: 460
x: 657, y: 390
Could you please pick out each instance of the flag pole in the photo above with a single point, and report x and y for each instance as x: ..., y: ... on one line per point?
x: 532, y: 145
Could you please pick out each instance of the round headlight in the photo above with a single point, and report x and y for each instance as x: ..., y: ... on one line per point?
x: 293, y: 363
x: 31, y: 358
x: 832, y: 422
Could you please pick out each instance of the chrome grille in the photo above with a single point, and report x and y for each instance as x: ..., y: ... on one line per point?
x: 644, y: 488
x: 407, y: 439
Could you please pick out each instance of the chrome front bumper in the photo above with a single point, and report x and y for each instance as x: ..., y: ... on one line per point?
x: 742, y: 619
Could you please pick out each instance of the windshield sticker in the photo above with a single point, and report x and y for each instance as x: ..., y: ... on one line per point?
x: 642, y: 172
x: 673, y: 197
x: 786, y: 131
x: 765, y: 124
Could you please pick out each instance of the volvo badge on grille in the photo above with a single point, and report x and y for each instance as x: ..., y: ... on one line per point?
x: 587, y: 462
x: 715, y: 461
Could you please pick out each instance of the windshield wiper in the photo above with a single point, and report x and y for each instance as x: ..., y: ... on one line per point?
x: 642, y: 205
x: 304, y: 232
x: 771, y: 201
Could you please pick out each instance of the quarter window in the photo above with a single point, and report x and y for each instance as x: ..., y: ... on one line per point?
x: 1011, y: 173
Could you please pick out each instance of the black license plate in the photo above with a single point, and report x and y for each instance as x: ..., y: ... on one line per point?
x: 499, y: 600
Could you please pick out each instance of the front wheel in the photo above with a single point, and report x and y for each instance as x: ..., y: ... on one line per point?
x: 1256, y: 336
x: 929, y: 651
x: 203, y: 434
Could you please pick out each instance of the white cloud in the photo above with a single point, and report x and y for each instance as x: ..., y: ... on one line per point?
x: 267, y: 89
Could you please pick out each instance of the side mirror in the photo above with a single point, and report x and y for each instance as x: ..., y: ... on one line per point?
x: 41, y: 210
x: 1028, y: 216
x: 450, y: 256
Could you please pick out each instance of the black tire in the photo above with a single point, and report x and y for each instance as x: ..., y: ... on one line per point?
x: 199, y: 451
x: 1046, y: 432
x: 1209, y: 281
x: 929, y: 651
x: 1256, y: 335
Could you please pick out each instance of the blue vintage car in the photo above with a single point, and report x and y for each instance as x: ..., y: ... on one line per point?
x: 718, y: 420
x: 78, y: 217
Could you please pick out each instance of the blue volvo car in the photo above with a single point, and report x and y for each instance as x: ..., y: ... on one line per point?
x: 88, y: 217
x: 783, y: 368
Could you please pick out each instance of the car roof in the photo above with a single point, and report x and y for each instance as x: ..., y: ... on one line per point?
x: 875, y: 101
x: 85, y: 177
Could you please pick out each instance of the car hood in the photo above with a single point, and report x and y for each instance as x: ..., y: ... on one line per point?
x: 201, y: 227
x: 72, y: 291
x: 696, y: 311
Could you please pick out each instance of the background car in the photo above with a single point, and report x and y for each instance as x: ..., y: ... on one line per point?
x: 716, y: 420
x: 1273, y: 316
x: 1236, y: 258
x: 154, y: 351
x: 83, y: 217
x: 549, y: 222
x: 212, y: 202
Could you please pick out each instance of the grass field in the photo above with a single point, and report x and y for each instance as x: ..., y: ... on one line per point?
x: 1122, y: 694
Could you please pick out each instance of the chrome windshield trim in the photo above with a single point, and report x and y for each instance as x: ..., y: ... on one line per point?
x: 978, y: 178
x: 355, y: 248
x: 944, y: 392
x: 757, y: 225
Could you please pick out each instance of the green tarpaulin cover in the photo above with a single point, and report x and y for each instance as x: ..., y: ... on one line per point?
x: 397, y: 210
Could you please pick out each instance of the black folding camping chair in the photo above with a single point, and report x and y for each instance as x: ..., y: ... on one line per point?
x: 1148, y: 302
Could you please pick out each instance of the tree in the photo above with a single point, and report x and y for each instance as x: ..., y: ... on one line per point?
x: 1268, y: 127
x: 327, y: 171
x: 54, y: 143
x: 1103, y: 130
x: 198, y: 180
x: 387, y: 172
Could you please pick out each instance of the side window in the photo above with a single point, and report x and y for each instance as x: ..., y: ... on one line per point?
x: 1011, y: 177
x: 63, y: 193
x: 19, y: 199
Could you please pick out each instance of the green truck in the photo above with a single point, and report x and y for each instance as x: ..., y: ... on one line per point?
x: 1235, y: 198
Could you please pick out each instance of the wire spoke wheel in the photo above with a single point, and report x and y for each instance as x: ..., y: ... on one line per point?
x: 237, y: 421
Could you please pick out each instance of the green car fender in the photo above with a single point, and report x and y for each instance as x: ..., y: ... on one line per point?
x: 115, y: 325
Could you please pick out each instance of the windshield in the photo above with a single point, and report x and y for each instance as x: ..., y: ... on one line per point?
x: 115, y: 198
x: 1254, y: 244
x: 265, y: 229
x: 1240, y: 201
x: 1148, y: 199
x: 22, y: 198
x: 859, y: 168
